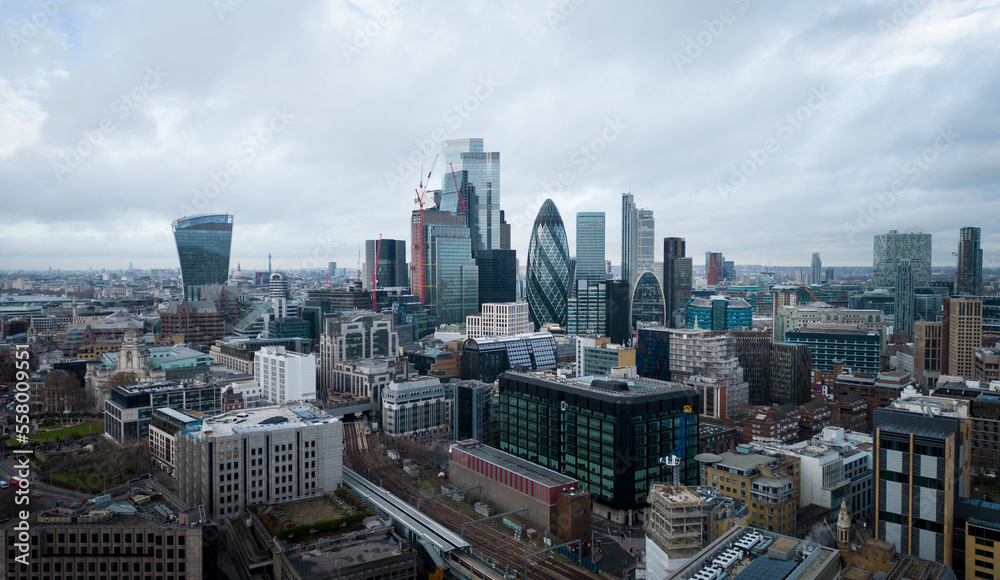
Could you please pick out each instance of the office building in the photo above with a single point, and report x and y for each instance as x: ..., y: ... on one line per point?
x: 719, y: 313
x: 549, y: 275
x: 484, y: 359
x: 203, y: 245
x: 483, y: 178
x: 708, y: 363
x: 590, y: 247
x: 595, y: 357
x: 555, y: 502
x: 417, y: 407
x: 331, y: 270
x: 676, y: 279
x: 365, y: 378
x: 502, y: 319
x: 714, y: 263
x: 832, y: 345
x: 127, y: 410
x: 391, y: 260
x: 137, y: 529
x: 587, y: 309
x: 165, y: 425
x: 927, y: 352
x: 969, y: 273
x: 769, y: 482
x: 497, y: 276
x: 598, y: 433
x: 987, y: 364
x: 285, y: 376
x: 473, y: 401
x: 777, y: 373
x: 266, y: 455
x: 646, y: 241
x: 630, y: 238
x: 504, y: 232
x: 962, y: 329
x: 647, y: 301
x: 652, y: 353
x: 792, y: 317
x: 450, y: 267
x: 893, y: 246
x: 905, y: 298
x: 921, y: 469
x: 728, y: 271
x: 816, y: 269
x: 355, y: 335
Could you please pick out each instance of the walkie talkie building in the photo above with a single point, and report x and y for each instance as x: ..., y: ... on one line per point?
x: 203, y: 244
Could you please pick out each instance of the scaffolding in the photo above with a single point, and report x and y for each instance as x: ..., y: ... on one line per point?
x: 677, y: 520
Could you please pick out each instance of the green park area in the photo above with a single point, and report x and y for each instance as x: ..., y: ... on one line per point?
x: 92, y: 427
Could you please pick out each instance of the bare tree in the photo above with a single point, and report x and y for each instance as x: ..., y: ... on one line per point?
x: 60, y: 392
x: 122, y: 379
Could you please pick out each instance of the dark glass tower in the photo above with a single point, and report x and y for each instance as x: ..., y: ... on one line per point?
x: 392, y: 271
x: 549, y: 274
x: 590, y: 246
x: 676, y: 278
x: 969, y: 274
x: 203, y: 244
x: 497, y: 276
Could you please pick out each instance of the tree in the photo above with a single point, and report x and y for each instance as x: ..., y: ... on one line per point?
x: 60, y: 392
x: 437, y: 574
x: 122, y: 379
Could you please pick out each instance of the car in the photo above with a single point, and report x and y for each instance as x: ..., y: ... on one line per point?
x: 35, y: 494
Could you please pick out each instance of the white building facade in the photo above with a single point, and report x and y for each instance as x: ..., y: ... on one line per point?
x: 418, y: 406
x: 499, y: 319
x: 284, y: 375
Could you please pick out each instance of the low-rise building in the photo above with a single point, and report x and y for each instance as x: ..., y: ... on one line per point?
x: 285, y: 376
x: 768, y: 483
x: 127, y: 410
x: 419, y: 406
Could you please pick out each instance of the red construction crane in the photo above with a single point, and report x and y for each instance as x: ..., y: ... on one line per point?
x: 417, y: 253
x: 458, y: 192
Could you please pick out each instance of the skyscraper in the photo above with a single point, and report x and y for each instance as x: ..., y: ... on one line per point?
x: 483, y: 205
x: 646, y: 241
x: 969, y: 274
x: 630, y: 235
x: 890, y: 247
x: 448, y: 279
x: 504, y: 232
x: 647, y: 301
x: 392, y: 272
x: 203, y: 244
x: 590, y: 246
x: 905, y: 298
x: 816, y: 270
x: 962, y: 334
x: 713, y: 267
x: 676, y: 278
x: 549, y: 275
x: 497, y: 276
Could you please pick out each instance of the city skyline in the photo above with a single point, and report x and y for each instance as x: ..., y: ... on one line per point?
x: 744, y: 133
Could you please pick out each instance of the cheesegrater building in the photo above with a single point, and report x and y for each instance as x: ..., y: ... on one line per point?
x: 610, y: 434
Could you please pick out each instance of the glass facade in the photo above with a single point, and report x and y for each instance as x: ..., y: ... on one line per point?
x: 451, y: 290
x: 587, y: 310
x: 646, y: 241
x: 392, y: 271
x: 549, y: 275
x: 647, y: 300
x: 652, y: 353
x: 969, y: 274
x: 630, y: 235
x: 890, y: 247
x: 905, y: 299
x: 497, y: 276
x: 203, y: 245
x: 590, y: 265
x: 483, y: 203
x: 858, y: 350
x: 676, y: 278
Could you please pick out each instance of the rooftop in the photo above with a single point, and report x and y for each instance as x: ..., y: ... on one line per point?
x: 536, y: 473
x: 244, y: 421
x: 745, y: 461
x: 321, y: 562
x: 754, y: 554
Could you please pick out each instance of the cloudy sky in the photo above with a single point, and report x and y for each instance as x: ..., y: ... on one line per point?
x: 764, y: 130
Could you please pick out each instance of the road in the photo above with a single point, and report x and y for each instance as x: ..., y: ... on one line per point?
x: 50, y: 494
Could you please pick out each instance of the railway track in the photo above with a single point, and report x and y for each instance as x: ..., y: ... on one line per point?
x: 361, y: 456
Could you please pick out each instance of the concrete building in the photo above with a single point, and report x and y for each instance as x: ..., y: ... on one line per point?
x: 353, y: 336
x: 237, y: 353
x: 364, y: 378
x: 987, y: 363
x: 266, y: 455
x: 707, y: 362
x: 962, y: 330
x: 595, y: 357
x: 416, y: 407
x: 769, y: 483
x: 555, y: 502
x: 675, y: 528
x: 138, y: 529
x: 285, y: 376
x: 165, y: 425
x: 832, y: 345
x: 499, y: 320
x: 473, y: 411
x: 927, y: 352
x: 787, y: 318
x: 127, y: 410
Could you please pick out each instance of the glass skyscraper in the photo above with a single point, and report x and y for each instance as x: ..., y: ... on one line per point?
x: 969, y: 274
x: 914, y: 245
x: 549, y: 275
x: 630, y: 235
x: 203, y: 245
x: 676, y: 278
x: 483, y: 203
x: 590, y: 246
x: 905, y: 299
x: 645, y: 242
x: 454, y: 275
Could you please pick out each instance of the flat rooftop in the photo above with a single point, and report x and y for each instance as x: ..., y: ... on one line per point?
x: 524, y: 468
x: 676, y: 496
x: 262, y: 419
x: 745, y: 461
x: 341, y: 556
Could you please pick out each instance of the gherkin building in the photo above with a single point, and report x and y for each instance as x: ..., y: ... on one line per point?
x: 549, y: 274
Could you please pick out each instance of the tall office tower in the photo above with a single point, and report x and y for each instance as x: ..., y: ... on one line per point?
x: 646, y: 241
x: 630, y: 238
x: 590, y: 246
x: 504, y: 232
x: 969, y: 274
x: 203, y: 244
x: 472, y: 411
x: 728, y: 271
x: 587, y: 309
x: 829, y: 275
x: 549, y: 274
x: 905, y: 298
x: 714, y: 263
x: 331, y: 269
x: 452, y: 274
x: 483, y: 205
x: 891, y: 247
x: 962, y: 330
x: 423, y: 284
x: 392, y: 272
x: 927, y: 348
x: 277, y: 287
x: 816, y: 270
x: 497, y: 276
x: 676, y: 279
x: 647, y: 301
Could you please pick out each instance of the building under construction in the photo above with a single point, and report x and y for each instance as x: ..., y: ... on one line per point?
x: 675, y: 528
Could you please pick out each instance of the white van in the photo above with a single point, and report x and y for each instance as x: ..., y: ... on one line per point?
x: 3, y: 484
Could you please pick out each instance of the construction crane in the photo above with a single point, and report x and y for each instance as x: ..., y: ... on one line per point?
x: 378, y: 250
x: 679, y: 453
x: 417, y: 253
x: 458, y: 192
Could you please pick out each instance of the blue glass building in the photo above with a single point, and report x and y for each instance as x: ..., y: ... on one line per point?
x: 590, y: 264
x: 203, y: 245
x: 719, y: 313
x: 482, y: 182
x: 549, y: 275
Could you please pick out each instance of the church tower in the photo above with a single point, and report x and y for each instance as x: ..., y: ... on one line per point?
x: 134, y: 356
x: 844, y: 528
